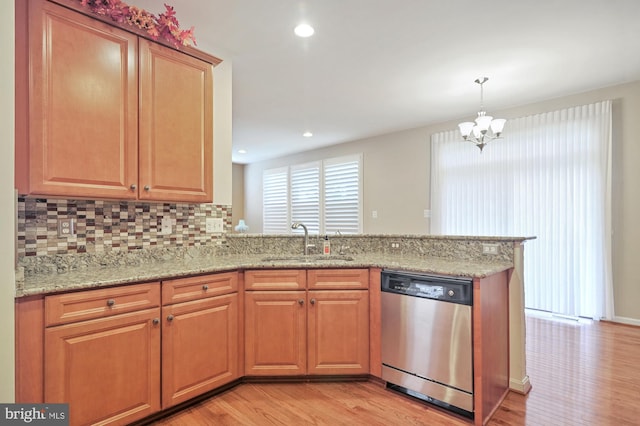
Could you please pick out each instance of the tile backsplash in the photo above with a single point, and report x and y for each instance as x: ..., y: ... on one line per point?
x: 107, y: 226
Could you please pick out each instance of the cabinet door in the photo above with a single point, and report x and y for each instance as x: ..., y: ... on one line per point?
x: 199, y: 347
x: 176, y: 125
x: 338, y: 279
x: 338, y: 332
x: 200, y: 287
x: 82, y: 136
x: 107, y: 369
x: 275, y: 333
x: 275, y: 279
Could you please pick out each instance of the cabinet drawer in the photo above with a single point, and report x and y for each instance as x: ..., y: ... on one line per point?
x: 275, y: 279
x: 90, y: 304
x: 338, y: 279
x: 193, y: 288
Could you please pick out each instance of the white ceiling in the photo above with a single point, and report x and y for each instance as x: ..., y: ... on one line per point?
x: 378, y: 66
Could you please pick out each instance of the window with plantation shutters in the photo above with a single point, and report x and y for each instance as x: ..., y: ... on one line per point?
x: 275, y: 201
x: 305, y: 196
x: 342, y: 193
x: 324, y: 195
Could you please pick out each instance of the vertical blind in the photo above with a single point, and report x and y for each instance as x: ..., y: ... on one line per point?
x: 549, y: 177
x: 324, y: 195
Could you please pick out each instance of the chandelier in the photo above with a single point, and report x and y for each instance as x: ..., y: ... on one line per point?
x: 476, y: 132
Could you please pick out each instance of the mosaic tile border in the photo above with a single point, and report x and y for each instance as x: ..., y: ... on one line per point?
x: 107, y: 226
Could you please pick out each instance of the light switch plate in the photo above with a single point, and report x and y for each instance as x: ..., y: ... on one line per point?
x: 214, y: 225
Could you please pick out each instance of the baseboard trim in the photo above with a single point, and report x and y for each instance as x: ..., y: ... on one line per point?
x: 520, y: 386
x: 628, y: 321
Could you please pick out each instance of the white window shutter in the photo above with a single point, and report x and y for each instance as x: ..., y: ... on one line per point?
x: 342, y: 195
x: 275, y: 201
x: 305, y: 196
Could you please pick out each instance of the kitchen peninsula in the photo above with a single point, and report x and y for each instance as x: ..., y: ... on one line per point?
x: 186, y: 275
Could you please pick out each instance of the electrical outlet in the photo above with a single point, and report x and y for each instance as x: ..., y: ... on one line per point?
x: 374, y: 214
x: 490, y: 248
x: 66, y: 227
x: 427, y: 214
x: 166, y: 226
x: 395, y: 245
x: 214, y: 225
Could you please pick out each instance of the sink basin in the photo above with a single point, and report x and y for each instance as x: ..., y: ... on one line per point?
x: 308, y: 259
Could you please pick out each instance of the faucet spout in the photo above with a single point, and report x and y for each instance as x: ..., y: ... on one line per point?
x: 296, y: 225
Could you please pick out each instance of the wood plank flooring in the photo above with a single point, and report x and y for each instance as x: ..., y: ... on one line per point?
x: 582, y: 373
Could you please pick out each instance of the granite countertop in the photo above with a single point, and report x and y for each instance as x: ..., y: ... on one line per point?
x: 85, y: 278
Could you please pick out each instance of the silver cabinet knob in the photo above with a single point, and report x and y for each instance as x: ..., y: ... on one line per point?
x: 111, y: 302
x: 156, y: 321
x: 205, y: 287
x: 301, y: 302
x: 147, y: 188
x: 170, y: 318
x: 451, y: 293
x: 133, y: 186
x: 313, y: 301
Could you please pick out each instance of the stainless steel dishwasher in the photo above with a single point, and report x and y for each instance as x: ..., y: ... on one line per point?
x: 427, y: 338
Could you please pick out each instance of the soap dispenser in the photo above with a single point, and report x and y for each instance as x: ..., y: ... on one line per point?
x: 327, y: 245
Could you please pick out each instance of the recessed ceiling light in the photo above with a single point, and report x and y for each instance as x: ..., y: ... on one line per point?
x: 242, y: 151
x: 304, y: 30
x: 307, y: 134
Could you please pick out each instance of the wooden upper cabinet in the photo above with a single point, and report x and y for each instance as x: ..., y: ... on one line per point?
x: 176, y: 125
x: 102, y: 112
x: 78, y: 86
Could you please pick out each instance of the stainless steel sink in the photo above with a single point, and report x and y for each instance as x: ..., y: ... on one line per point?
x: 308, y: 259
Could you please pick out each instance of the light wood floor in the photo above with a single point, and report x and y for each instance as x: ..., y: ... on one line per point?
x: 582, y: 374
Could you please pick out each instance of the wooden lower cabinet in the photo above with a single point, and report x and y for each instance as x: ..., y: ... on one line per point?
x: 338, y: 332
x: 275, y: 333
x: 300, y: 332
x: 199, y: 347
x: 107, y: 369
x: 117, y: 355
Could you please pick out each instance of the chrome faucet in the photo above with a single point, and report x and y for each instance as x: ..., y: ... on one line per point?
x: 296, y: 225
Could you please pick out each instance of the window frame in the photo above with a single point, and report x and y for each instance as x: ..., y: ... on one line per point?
x: 319, y: 226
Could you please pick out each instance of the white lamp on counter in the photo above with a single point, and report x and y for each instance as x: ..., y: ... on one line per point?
x: 241, y: 226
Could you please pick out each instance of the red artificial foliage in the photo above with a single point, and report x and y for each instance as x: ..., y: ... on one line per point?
x: 163, y: 26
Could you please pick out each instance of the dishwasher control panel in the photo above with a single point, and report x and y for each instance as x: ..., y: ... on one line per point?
x: 450, y: 289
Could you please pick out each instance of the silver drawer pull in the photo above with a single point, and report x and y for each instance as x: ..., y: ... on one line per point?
x: 111, y: 302
x: 205, y: 287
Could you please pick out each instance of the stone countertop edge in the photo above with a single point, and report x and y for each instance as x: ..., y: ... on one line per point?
x: 89, y: 278
x: 393, y: 236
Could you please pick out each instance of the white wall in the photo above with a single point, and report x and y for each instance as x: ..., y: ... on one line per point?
x: 222, y: 129
x: 7, y: 203
x: 396, y: 181
x: 238, y: 193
